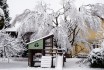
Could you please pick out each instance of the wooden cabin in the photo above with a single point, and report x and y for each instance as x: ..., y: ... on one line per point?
x: 42, y: 50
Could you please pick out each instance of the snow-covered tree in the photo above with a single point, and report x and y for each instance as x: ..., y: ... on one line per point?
x: 10, y: 46
x: 68, y: 25
x: 36, y: 21
x: 4, y: 7
x: 1, y: 18
x: 92, y: 16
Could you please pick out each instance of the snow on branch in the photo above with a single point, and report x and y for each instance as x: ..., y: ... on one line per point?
x: 10, y: 46
x: 67, y: 24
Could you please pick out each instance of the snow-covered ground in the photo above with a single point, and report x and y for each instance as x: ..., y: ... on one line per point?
x: 75, y: 64
x: 71, y: 64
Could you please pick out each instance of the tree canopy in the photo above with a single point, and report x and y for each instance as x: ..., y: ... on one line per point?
x: 68, y: 25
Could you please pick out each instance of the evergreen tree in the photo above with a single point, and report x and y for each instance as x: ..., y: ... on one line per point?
x: 4, y: 7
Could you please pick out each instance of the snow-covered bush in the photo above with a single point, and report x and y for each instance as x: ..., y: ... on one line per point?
x: 96, y: 57
x: 10, y: 46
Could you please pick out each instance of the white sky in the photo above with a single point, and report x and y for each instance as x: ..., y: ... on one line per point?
x: 18, y: 6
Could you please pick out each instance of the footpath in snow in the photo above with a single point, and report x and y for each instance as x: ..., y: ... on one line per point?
x: 71, y: 64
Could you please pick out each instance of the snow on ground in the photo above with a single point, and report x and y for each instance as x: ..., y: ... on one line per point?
x: 71, y: 64
x: 4, y: 65
x: 75, y: 64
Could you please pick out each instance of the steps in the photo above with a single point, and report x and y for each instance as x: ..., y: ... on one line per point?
x: 46, y: 61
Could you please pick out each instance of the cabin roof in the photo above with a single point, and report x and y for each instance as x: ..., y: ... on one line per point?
x: 14, y: 28
x: 40, y: 38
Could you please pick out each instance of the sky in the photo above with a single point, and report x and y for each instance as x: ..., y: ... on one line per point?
x: 17, y: 7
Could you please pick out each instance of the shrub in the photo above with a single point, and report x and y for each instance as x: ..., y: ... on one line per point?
x: 96, y: 57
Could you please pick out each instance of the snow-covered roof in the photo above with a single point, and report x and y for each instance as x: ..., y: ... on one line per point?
x: 40, y: 38
x: 1, y: 12
x: 14, y: 28
x: 96, y: 50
